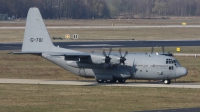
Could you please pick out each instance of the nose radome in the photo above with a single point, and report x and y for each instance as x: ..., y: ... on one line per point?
x: 181, y: 71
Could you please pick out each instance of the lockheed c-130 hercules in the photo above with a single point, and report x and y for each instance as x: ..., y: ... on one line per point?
x: 104, y: 67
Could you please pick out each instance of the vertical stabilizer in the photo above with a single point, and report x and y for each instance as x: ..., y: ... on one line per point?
x: 36, y: 36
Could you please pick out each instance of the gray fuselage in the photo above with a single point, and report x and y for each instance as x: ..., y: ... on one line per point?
x: 137, y: 66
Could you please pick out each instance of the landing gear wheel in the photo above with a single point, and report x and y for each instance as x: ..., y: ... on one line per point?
x: 111, y: 81
x: 168, y: 81
x: 100, y: 80
x: 121, y: 80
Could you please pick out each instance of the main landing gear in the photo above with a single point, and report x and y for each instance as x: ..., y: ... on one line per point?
x: 111, y: 81
x: 167, y: 81
x: 100, y: 80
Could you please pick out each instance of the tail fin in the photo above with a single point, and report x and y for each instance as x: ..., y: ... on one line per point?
x: 36, y: 36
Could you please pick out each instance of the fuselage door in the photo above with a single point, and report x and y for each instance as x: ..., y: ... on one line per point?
x: 172, y: 73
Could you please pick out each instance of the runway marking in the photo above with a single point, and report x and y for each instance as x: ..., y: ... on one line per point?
x: 109, y: 27
x: 93, y: 83
x: 95, y: 45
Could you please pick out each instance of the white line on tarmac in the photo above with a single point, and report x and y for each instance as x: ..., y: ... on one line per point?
x: 93, y: 83
x: 96, y: 45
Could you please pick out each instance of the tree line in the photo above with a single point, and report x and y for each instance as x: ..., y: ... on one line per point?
x: 57, y: 9
x: 153, y: 8
x: 97, y: 9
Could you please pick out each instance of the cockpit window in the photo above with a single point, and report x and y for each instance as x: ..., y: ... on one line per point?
x: 169, y: 61
x: 176, y: 63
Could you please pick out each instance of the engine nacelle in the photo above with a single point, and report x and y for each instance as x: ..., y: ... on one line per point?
x: 114, y: 60
x: 94, y: 59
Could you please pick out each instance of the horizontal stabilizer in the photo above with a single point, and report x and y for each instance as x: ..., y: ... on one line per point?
x: 56, y: 54
x: 26, y: 53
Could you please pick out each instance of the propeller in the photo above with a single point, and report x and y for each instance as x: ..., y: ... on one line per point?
x: 107, y: 57
x: 122, y: 58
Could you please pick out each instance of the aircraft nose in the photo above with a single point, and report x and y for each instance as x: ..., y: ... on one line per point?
x: 181, y: 71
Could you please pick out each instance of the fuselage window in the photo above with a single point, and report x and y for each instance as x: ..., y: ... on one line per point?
x: 171, y: 68
x: 140, y: 70
x: 146, y: 70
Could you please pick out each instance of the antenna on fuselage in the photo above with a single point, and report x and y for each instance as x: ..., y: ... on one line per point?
x: 152, y: 49
x: 163, y: 49
x: 167, y: 54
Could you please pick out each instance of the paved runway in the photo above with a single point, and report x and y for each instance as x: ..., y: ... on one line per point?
x: 94, y: 83
x: 108, y: 44
x: 109, y: 27
x: 197, y: 109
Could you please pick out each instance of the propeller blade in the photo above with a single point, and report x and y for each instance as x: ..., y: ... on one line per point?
x: 110, y: 51
x: 120, y: 52
x: 107, y: 57
x: 125, y: 53
x: 123, y: 63
x: 104, y: 53
x: 122, y: 58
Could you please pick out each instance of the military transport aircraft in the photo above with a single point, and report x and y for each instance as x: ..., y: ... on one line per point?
x: 104, y: 67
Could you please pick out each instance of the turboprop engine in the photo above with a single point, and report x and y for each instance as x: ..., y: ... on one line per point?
x: 96, y: 59
x: 107, y: 59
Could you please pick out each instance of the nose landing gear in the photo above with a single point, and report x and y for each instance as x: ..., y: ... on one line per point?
x: 167, y: 81
x: 100, y: 80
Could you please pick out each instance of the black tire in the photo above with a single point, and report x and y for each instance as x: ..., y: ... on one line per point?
x: 121, y: 80
x: 111, y: 81
x: 100, y: 80
x: 167, y: 81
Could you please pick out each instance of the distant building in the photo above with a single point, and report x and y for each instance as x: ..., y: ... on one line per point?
x: 3, y: 16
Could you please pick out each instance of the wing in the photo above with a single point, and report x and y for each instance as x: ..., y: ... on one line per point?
x: 68, y: 54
